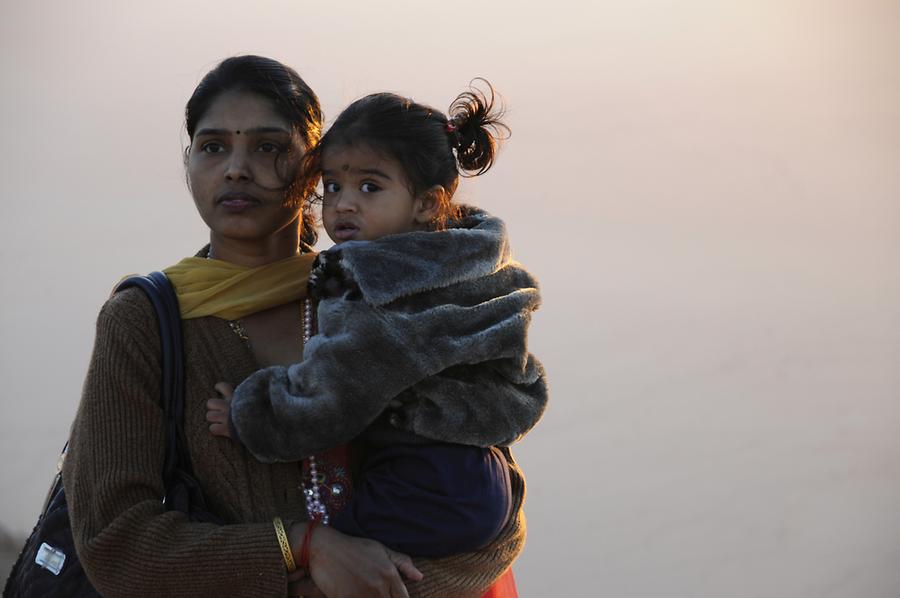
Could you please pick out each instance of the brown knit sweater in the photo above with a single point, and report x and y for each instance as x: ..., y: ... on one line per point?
x: 130, y: 546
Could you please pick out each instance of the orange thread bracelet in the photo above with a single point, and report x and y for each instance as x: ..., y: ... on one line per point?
x: 304, y: 548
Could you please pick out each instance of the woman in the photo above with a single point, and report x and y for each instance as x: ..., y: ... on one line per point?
x: 249, y: 121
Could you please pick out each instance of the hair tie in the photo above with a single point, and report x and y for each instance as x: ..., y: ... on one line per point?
x: 453, y: 123
x: 452, y: 128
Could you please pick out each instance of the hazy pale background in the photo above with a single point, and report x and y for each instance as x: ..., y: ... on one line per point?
x: 707, y: 189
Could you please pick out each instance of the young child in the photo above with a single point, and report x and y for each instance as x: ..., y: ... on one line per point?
x: 422, y: 327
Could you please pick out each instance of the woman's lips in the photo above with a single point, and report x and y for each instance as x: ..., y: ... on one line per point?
x: 237, y: 202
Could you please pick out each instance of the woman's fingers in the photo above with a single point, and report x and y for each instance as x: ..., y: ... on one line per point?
x: 404, y: 565
x: 398, y: 589
x: 347, y: 566
x: 304, y: 587
x: 405, y: 568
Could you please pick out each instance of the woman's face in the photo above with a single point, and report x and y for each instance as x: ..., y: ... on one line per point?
x: 239, y: 165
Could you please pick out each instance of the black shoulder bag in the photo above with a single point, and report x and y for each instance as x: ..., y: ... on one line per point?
x: 48, y: 566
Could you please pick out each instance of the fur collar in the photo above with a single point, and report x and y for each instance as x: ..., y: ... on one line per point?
x: 397, y: 266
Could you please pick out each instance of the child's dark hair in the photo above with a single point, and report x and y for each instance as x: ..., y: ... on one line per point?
x: 432, y: 148
x: 291, y: 97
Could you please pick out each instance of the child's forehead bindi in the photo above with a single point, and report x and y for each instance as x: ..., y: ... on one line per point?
x: 355, y: 157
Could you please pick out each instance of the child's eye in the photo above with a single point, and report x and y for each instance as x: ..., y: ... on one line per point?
x: 369, y: 188
x: 212, y: 147
x: 331, y: 187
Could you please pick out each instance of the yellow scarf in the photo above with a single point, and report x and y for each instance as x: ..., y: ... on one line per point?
x: 225, y: 290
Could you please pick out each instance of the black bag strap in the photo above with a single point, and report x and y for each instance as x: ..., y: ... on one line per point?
x: 159, y: 290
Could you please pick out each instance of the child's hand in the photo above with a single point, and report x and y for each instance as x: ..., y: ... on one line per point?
x: 217, y: 410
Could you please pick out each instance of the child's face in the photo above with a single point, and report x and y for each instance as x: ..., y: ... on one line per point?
x: 367, y: 196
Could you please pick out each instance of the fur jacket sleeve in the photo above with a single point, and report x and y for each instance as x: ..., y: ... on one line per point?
x: 428, y: 327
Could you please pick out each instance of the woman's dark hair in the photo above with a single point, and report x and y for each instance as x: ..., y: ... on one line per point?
x: 432, y: 148
x: 291, y: 97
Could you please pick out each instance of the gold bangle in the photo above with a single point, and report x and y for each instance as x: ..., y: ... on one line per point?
x: 285, y: 545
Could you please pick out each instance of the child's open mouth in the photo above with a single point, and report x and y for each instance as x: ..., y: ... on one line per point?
x: 344, y: 231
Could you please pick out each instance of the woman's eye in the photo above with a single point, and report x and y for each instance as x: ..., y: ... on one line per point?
x: 331, y: 187
x: 212, y: 147
x: 269, y: 148
x: 369, y: 188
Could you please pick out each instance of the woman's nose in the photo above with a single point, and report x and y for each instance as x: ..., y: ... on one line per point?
x: 238, y: 167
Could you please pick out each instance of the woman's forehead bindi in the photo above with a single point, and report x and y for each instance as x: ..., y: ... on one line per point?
x: 261, y: 130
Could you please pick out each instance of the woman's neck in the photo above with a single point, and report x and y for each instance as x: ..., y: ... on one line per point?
x: 253, y: 252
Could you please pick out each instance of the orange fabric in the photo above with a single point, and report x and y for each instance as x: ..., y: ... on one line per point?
x: 505, y: 587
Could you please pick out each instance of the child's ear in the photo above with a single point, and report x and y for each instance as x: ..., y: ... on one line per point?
x: 428, y: 204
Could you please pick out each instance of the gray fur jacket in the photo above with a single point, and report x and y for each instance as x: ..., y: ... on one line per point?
x: 422, y: 336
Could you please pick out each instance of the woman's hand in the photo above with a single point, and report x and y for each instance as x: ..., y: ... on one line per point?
x: 344, y: 566
x: 218, y: 410
x: 300, y: 585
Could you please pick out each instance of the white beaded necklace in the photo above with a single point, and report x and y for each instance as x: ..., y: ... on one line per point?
x: 315, y: 508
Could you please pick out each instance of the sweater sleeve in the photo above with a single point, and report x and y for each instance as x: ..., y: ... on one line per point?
x: 128, y: 543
